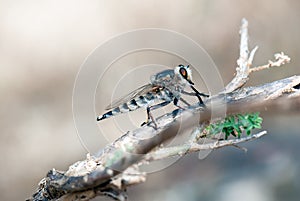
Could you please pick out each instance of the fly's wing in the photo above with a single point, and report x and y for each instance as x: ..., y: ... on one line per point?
x: 138, y: 92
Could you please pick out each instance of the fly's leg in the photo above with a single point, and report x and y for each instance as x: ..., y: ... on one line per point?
x: 181, y: 99
x: 185, y: 102
x: 154, y: 107
x: 175, y: 101
x: 197, y: 93
x: 194, y: 94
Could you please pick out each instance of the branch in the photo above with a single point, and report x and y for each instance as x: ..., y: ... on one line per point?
x: 117, y: 167
x: 244, y: 61
x: 280, y: 59
x: 131, y: 147
x: 195, y: 147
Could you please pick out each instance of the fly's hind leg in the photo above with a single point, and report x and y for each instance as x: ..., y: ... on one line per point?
x: 150, y: 116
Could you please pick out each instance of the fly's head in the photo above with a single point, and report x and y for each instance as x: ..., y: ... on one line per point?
x: 184, y: 73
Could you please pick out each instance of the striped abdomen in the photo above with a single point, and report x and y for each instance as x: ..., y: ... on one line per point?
x: 138, y: 102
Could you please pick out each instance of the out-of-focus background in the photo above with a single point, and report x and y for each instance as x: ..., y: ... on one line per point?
x: 43, y: 44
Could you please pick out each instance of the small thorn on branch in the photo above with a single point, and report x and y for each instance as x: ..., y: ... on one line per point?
x: 251, y: 56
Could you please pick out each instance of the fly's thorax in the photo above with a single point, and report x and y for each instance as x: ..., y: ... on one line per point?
x: 177, y: 85
x: 162, y: 78
x: 179, y: 76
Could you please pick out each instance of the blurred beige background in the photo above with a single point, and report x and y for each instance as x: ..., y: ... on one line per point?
x: 43, y: 44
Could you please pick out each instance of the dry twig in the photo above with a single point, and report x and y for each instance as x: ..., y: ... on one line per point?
x: 280, y: 59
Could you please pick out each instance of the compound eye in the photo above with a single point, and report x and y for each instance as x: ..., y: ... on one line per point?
x: 183, y: 72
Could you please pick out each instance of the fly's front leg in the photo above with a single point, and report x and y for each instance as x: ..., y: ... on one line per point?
x: 194, y: 94
x: 154, y: 107
x: 197, y: 93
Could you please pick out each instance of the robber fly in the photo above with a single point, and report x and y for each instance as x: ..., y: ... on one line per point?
x: 166, y: 87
